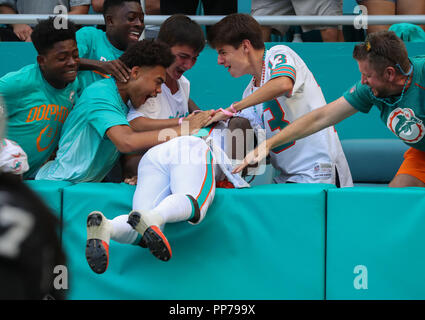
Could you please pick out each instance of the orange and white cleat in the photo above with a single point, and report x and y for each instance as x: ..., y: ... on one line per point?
x: 152, y: 236
x: 97, y: 245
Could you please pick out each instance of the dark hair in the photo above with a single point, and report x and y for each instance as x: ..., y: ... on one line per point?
x: 383, y: 49
x: 181, y: 30
x: 148, y: 53
x: 233, y: 29
x: 46, y: 34
x: 108, y: 4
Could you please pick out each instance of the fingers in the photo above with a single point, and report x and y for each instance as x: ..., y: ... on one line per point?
x: 23, y: 31
x: 252, y: 158
x: 131, y: 181
x: 118, y: 70
x: 240, y: 167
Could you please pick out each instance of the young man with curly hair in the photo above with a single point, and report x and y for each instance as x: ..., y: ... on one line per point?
x: 40, y: 96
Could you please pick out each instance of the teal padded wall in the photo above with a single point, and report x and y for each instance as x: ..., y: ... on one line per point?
x: 266, y: 242
x: 50, y: 192
x: 381, y: 231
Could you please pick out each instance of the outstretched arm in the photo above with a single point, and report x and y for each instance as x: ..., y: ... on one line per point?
x: 273, y: 88
x: 128, y: 140
x: 304, y: 126
x: 82, y: 9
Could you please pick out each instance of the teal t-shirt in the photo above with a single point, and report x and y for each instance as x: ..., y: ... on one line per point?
x: 93, y: 44
x: 85, y: 152
x: 406, y: 118
x: 36, y: 112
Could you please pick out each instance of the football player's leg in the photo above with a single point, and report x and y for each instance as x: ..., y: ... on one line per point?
x: 192, y: 186
x: 152, y: 187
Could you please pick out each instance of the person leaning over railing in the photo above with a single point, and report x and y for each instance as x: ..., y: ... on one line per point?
x: 390, y: 81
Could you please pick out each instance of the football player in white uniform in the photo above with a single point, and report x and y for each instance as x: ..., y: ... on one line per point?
x: 176, y: 182
x: 282, y: 89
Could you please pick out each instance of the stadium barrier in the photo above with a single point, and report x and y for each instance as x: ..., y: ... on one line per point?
x: 269, y: 242
x: 375, y: 244
x: 261, y: 243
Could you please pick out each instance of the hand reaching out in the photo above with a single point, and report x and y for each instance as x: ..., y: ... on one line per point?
x: 198, y: 120
x: 255, y: 156
x: 131, y: 181
x: 220, y: 115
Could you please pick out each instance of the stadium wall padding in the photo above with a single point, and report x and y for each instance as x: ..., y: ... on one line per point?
x: 269, y: 242
x: 375, y: 244
x: 266, y: 242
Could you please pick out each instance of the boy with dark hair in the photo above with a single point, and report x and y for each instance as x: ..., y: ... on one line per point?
x: 97, y: 129
x: 282, y: 89
x: 39, y: 97
x: 99, y: 50
x: 390, y: 81
x: 186, y: 40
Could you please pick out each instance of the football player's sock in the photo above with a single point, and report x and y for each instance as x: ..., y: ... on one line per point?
x: 122, y: 232
x: 175, y: 208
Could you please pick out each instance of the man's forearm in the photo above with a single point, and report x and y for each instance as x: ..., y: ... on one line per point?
x: 84, y: 9
x: 147, y: 124
x: 272, y: 89
x: 89, y: 64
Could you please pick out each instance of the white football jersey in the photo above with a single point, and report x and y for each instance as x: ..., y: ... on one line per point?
x: 165, y: 105
x: 309, y: 160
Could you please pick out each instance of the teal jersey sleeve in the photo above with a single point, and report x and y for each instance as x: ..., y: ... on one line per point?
x: 13, y: 85
x: 36, y: 112
x: 85, y: 40
x: 359, y: 96
x: 106, y: 106
x: 104, y: 117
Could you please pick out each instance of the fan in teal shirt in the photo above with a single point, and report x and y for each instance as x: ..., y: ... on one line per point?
x: 94, y: 44
x: 405, y: 117
x: 39, y: 97
x: 85, y: 153
x: 99, y: 50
